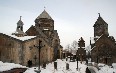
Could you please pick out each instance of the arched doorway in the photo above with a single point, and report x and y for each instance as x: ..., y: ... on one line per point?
x: 29, y: 62
x: 105, y: 60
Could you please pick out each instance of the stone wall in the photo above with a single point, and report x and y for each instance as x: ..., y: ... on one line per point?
x: 31, y: 51
x: 103, y: 51
x: 9, y: 49
x: 17, y: 51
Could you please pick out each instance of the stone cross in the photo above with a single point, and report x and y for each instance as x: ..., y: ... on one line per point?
x: 99, y: 14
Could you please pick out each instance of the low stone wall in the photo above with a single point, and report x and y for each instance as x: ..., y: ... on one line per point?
x: 15, y: 70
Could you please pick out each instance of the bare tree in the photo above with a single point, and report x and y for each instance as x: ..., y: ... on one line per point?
x: 74, y: 45
x: 68, y: 47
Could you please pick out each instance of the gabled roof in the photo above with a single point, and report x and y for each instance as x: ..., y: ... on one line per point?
x: 32, y: 27
x: 103, y: 36
x: 111, y: 38
x: 38, y: 32
x: 99, y: 37
x: 100, y: 21
x: 44, y: 14
x: 32, y: 31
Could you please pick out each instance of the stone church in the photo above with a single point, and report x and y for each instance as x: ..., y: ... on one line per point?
x: 21, y: 47
x: 104, y: 46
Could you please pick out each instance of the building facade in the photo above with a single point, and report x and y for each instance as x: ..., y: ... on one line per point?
x: 104, y: 47
x: 21, y: 47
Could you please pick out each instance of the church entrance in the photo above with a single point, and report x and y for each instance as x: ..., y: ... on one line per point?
x: 29, y: 63
x: 105, y: 60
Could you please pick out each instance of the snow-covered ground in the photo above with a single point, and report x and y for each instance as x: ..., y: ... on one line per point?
x: 107, y: 69
x: 61, y: 68
x: 9, y: 66
x: 72, y: 68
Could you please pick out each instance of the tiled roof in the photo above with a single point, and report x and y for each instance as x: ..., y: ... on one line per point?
x: 44, y: 14
x: 99, y: 21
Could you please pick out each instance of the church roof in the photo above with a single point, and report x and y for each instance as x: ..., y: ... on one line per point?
x: 44, y: 14
x: 106, y: 38
x: 99, y: 21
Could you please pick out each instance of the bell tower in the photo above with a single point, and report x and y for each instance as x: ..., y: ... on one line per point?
x: 100, y: 27
x: 19, y: 30
x: 20, y: 25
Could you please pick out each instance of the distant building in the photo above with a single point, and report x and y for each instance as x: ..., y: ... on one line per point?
x: 20, y: 47
x: 104, y: 46
x: 81, y: 52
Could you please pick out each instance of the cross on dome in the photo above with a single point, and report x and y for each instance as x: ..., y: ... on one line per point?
x: 99, y: 14
x: 20, y: 17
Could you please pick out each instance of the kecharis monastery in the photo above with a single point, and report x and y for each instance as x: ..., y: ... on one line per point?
x: 21, y: 47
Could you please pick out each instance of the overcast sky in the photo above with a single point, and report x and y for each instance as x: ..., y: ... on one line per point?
x: 73, y: 18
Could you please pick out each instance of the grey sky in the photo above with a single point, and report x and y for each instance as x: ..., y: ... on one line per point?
x: 73, y: 18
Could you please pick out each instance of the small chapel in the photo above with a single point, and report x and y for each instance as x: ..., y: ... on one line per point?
x: 104, y: 46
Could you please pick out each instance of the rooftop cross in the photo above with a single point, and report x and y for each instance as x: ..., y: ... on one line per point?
x: 44, y: 7
x: 99, y: 14
x: 20, y: 17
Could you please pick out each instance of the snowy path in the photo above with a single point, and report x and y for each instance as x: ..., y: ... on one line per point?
x: 61, y: 68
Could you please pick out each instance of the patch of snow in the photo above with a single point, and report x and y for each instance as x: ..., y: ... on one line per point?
x: 106, y: 69
x: 20, y: 38
x: 9, y: 66
x: 114, y: 65
x: 93, y: 68
x: 31, y: 70
x: 23, y: 38
x: 61, y: 67
x: 92, y: 40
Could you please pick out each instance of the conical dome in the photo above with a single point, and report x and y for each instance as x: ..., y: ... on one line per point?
x: 100, y: 21
x: 44, y: 14
x: 20, y: 22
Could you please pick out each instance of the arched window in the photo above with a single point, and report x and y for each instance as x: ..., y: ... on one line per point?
x: 21, y: 28
x: 18, y: 27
